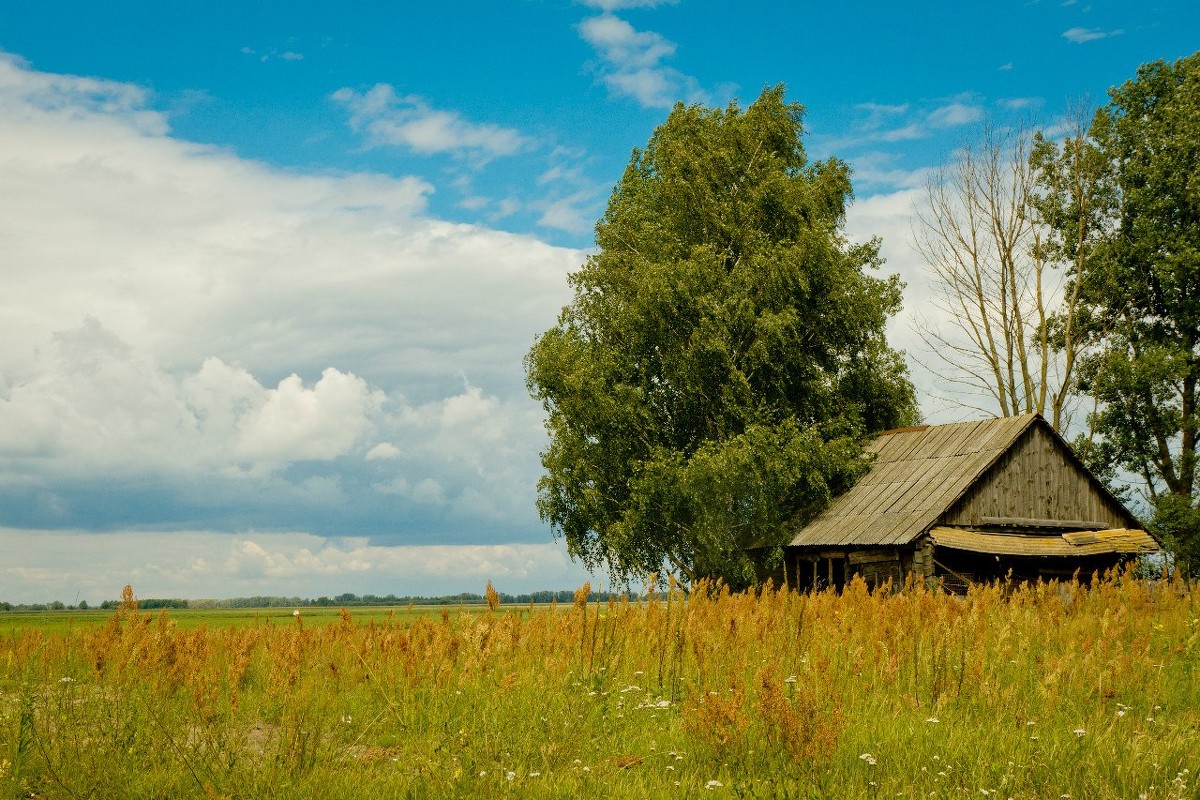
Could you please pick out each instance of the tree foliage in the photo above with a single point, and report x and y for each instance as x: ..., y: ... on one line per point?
x: 1142, y: 296
x: 723, y: 355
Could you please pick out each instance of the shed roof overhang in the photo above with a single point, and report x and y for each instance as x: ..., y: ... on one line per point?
x: 1068, y: 545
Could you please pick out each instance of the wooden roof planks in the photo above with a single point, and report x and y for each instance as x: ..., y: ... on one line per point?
x: 943, y: 475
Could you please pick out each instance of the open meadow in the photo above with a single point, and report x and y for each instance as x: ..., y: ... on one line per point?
x: 1042, y: 691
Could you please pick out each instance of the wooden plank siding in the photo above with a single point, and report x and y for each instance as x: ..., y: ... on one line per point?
x: 1035, y: 479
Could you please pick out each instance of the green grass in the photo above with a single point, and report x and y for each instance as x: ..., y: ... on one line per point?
x: 13, y: 623
x: 1035, y: 693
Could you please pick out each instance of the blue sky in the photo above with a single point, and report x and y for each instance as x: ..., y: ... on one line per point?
x: 269, y: 269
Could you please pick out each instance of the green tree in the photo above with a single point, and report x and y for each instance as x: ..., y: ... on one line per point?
x: 723, y: 355
x: 1143, y: 296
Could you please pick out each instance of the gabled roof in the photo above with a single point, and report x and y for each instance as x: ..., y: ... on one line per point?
x: 917, y: 475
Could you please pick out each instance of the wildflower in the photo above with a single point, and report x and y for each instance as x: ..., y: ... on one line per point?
x: 347, y: 719
x: 535, y: 774
x: 790, y: 679
x: 1120, y: 712
x: 713, y: 784
x: 867, y: 757
x: 482, y: 772
x: 1080, y: 732
x: 296, y: 612
x: 934, y: 720
x: 510, y: 775
x: 66, y: 679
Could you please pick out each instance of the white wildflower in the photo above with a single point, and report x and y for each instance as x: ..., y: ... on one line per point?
x: 713, y: 784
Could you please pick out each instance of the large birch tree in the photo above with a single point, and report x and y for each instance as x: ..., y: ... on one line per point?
x: 723, y: 356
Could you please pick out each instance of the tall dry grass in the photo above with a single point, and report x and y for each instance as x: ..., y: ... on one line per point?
x: 1038, y: 691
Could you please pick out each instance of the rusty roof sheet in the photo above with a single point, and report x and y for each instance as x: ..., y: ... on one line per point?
x: 917, y: 475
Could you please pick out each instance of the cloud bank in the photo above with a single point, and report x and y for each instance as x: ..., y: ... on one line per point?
x: 194, y: 341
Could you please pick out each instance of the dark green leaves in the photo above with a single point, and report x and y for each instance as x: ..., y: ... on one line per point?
x: 723, y: 355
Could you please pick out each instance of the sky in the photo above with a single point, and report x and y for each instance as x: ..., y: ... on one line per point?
x: 268, y: 270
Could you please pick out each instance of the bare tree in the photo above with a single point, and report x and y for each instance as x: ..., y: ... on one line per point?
x: 1001, y: 302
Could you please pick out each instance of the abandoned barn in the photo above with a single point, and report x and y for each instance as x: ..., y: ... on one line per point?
x: 967, y: 502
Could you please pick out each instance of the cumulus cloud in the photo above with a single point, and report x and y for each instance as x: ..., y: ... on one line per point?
x: 631, y: 63
x: 192, y: 338
x: 1082, y: 35
x: 388, y: 119
x: 293, y: 423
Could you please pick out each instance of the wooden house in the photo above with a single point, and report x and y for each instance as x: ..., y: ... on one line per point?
x: 972, y: 501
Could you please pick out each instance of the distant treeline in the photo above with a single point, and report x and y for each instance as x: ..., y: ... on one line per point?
x: 347, y: 600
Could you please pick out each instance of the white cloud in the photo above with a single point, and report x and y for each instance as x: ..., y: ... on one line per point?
x: 40, y: 566
x: 574, y: 214
x: 620, y: 43
x: 904, y: 134
x: 891, y: 216
x: 1019, y: 103
x: 879, y: 168
x: 384, y: 451
x: 1082, y: 35
x: 954, y: 114
x: 631, y: 63
x: 878, y: 113
x: 191, y: 334
x: 293, y: 423
x: 387, y: 119
x: 617, y: 5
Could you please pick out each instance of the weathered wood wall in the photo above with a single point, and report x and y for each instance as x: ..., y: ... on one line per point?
x: 1036, y: 480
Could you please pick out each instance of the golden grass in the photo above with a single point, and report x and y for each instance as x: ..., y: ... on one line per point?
x: 1031, y: 692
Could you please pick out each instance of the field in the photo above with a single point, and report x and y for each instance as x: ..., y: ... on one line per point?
x: 1038, y: 692
x: 15, y: 623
